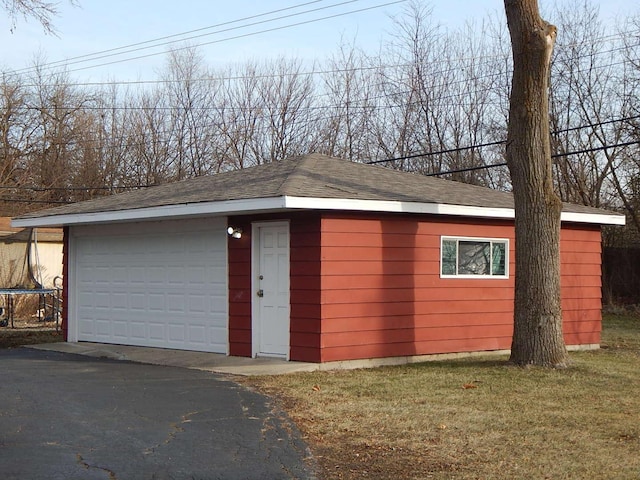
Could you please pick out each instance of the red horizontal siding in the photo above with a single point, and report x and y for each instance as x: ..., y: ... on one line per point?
x: 581, y: 303
x: 239, y: 307
x: 307, y: 325
x: 580, y: 233
x: 376, y: 254
x: 304, y: 340
x: 239, y: 255
x: 420, y: 335
x: 582, y: 338
x: 306, y: 282
x: 467, y: 307
x: 304, y: 311
x: 582, y: 325
x: 578, y: 292
x: 582, y: 281
x: 375, y: 224
x: 581, y: 315
x: 581, y: 246
x: 305, y: 268
x: 306, y: 354
x: 381, y: 267
x: 382, y: 294
x: 237, y: 336
x: 498, y: 291
x: 581, y: 284
x: 580, y: 270
x: 381, y: 322
x: 306, y: 314
x: 581, y: 258
x: 355, y: 352
x: 365, y: 287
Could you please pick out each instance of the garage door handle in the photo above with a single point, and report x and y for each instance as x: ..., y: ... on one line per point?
x: 261, y: 293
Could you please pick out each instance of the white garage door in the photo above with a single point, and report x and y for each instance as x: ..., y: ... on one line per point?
x: 157, y: 284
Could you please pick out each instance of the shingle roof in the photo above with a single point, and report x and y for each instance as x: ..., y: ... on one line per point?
x: 312, y: 176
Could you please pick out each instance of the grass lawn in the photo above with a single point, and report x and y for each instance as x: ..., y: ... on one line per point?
x: 475, y: 419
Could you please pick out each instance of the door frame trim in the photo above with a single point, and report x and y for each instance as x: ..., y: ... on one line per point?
x: 72, y: 287
x: 255, y: 268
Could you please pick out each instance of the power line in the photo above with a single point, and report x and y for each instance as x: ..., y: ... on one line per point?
x: 236, y: 37
x: 407, y: 157
x: 101, y: 53
x: 318, y: 107
x: 86, y: 143
x: 71, y: 189
x: 502, y: 142
x: 253, y: 24
x: 595, y: 149
x: 354, y: 106
x: 320, y: 72
x: 555, y: 155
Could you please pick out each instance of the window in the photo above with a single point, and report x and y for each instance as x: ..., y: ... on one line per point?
x: 474, y: 257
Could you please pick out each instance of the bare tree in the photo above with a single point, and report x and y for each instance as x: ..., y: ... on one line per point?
x: 287, y: 95
x: 148, y: 141
x: 626, y: 180
x: 41, y: 10
x: 537, y: 336
x: 190, y: 93
x: 412, y: 85
x: 348, y: 107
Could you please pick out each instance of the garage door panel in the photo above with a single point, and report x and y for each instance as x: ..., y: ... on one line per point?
x: 165, y: 286
x: 157, y: 331
x: 120, y: 329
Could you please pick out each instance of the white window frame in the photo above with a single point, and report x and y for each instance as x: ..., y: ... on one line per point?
x: 491, y: 241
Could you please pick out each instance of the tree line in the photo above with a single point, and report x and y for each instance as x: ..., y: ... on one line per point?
x: 430, y: 101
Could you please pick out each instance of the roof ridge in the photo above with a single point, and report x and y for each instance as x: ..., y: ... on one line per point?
x: 295, y: 175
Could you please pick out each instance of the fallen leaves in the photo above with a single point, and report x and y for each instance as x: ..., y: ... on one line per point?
x: 470, y: 385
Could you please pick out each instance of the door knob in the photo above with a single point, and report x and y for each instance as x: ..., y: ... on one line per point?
x: 261, y: 293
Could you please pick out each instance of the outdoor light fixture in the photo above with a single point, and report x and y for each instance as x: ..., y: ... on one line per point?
x: 234, y: 232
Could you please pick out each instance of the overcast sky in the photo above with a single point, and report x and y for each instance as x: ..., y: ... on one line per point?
x: 99, y: 25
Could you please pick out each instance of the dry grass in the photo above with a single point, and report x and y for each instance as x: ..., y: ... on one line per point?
x: 29, y: 332
x: 476, y: 418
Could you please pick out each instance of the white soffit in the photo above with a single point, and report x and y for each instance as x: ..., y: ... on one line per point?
x: 260, y: 205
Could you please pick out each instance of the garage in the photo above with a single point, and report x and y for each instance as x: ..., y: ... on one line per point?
x: 311, y: 259
x: 155, y: 284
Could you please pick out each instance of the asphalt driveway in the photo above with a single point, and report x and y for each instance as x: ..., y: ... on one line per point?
x: 65, y: 416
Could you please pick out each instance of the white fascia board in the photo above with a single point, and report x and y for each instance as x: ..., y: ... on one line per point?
x: 228, y: 207
x: 261, y: 205
x: 437, y: 209
x: 597, y: 218
x: 396, y: 207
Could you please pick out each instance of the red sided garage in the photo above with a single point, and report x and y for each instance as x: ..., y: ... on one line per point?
x: 312, y: 259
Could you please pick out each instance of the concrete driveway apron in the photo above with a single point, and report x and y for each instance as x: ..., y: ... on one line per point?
x: 69, y: 417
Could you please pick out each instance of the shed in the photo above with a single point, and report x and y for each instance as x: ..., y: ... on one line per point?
x: 25, y: 253
x: 312, y: 259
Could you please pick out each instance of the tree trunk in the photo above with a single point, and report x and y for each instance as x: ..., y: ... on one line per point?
x: 537, y: 335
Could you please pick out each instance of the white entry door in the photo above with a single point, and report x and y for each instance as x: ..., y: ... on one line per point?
x: 271, y: 286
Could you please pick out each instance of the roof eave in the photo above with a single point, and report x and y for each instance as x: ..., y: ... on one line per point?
x: 274, y: 204
x: 229, y: 207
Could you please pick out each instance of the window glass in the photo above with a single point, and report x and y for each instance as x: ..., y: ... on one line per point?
x: 498, y: 261
x: 471, y: 257
x: 449, y: 253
